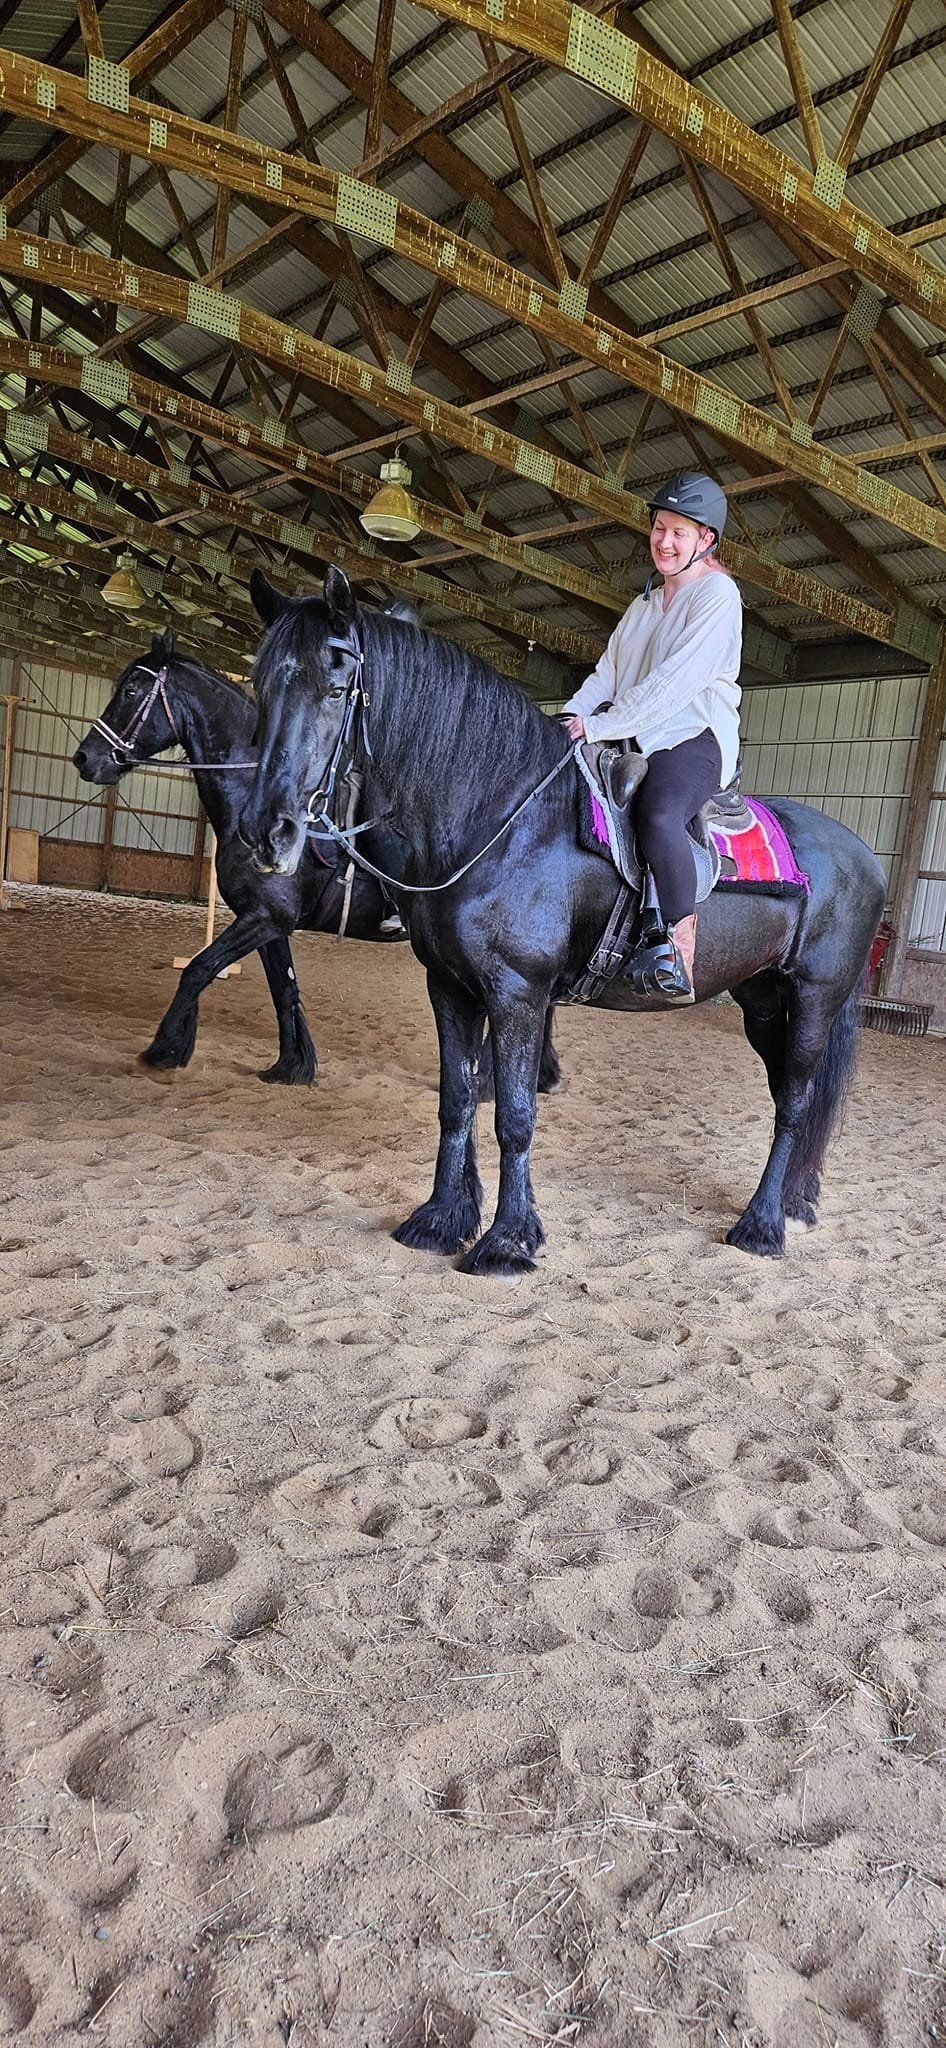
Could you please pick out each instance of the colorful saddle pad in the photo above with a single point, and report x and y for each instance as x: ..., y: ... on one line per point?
x: 756, y: 859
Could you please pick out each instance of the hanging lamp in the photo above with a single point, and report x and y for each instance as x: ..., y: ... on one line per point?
x: 392, y: 514
x: 123, y: 590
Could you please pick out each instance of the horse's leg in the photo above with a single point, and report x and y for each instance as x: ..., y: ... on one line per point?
x: 297, y: 1063
x: 173, y: 1042
x: 820, y: 1044
x: 765, y: 1017
x: 486, y: 1085
x: 452, y: 1215
x: 550, y: 1073
x: 517, y: 1022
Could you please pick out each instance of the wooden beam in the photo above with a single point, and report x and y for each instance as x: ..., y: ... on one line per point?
x: 610, y: 596
x: 791, y: 50
x: 497, y: 446
x: 873, y: 82
x: 374, y: 120
x: 608, y: 222
x: 622, y: 69
x: 736, y: 282
x: 159, y: 48
x: 90, y: 27
x: 243, y: 164
x: 231, y: 121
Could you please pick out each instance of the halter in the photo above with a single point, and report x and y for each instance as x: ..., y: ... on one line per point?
x: 123, y: 743
x: 354, y: 725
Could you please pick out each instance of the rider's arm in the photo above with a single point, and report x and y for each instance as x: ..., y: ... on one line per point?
x: 705, y: 644
x: 600, y: 686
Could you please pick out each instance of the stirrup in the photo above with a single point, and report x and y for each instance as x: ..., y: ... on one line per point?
x: 656, y: 972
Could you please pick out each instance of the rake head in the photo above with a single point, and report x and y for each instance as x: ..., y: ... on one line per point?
x: 901, y: 1020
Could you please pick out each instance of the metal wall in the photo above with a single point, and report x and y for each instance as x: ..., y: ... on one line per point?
x: 847, y: 748
x: 156, y: 810
x: 928, y: 922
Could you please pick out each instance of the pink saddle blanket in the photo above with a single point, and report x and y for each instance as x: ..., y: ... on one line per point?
x: 760, y: 854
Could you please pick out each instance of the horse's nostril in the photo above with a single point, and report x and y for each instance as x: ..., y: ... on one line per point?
x: 78, y: 758
x: 284, y: 827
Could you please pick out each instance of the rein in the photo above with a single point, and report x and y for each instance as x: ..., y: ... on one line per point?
x: 123, y: 743
x: 320, y: 823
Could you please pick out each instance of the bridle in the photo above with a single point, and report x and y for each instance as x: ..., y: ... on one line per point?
x: 123, y: 743
x: 353, y: 733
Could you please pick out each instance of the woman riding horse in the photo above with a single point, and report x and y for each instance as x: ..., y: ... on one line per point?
x: 668, y: 681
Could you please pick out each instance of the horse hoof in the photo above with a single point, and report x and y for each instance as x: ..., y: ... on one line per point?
x: 800, y: 1215
x: 499, y: 1256
x: 765, y: 1240
x: 432, y: 1229
x: 156, y: 1062
x: 288, y: 1076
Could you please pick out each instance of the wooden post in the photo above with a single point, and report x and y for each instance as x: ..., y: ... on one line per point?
x: 11, y: 701
x: 911, y: 854
x: 183, y: 959
x: 108, y: 834
x: 211, y: 893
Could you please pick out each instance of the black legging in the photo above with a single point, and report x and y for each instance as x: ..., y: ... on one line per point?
x: 678, y: 781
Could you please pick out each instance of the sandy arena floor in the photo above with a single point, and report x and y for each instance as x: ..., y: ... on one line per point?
x: 395, y: 1660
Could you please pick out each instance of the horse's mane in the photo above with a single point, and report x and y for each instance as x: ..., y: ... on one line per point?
x: 212, y: 676
x: 453, y: 711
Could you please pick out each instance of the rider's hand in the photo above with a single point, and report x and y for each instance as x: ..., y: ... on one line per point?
x: 575, y: 728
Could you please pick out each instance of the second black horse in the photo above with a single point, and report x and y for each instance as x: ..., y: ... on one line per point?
x: 214, y: 721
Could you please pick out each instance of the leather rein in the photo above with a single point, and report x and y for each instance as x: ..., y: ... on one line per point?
x: 353, y: 731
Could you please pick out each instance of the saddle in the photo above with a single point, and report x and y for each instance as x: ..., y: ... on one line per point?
x: 614, y: 773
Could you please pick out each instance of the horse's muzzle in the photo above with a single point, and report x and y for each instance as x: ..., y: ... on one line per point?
x: 276, y: 847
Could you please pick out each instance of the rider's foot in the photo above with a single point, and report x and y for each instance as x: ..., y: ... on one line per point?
x: 661, y: 971
x: 392, y: 926
x: 683, y: 936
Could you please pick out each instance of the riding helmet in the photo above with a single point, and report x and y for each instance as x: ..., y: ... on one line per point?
x: 694, y: 496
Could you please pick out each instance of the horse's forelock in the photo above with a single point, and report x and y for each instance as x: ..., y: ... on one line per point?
x: 294, y: 641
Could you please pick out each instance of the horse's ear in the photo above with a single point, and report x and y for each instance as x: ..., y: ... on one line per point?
x: 157, y: 647
x: 401, y: 608
x: 268, y: 600
x: 338, y: 595
x: 167, y: 642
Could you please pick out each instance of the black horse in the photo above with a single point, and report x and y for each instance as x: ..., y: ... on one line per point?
x: 457, y: 751
x: 214, y: 720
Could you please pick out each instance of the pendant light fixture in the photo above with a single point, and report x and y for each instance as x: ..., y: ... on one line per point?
x: 123, y: 590
x: 392, y: 514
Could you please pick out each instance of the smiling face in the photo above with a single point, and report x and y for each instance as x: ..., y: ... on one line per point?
x: 301, y: 678
x: 675, y: 542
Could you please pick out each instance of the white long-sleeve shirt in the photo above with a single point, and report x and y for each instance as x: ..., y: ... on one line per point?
x: 667, y: 675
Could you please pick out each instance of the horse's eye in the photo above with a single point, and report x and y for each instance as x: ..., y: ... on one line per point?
x: 336, y: 691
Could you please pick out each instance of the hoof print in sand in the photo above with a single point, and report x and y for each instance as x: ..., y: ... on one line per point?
x: 253, y: 1613
x: 424, y: 1425
x: 291, y: 1788
x: 17, y: 2001
x: 122, y: 1770
x: 578, y: 1462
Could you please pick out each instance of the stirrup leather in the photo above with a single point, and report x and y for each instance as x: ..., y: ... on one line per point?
x: 656, y: 972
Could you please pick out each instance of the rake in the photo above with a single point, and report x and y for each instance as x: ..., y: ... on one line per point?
x: 900, y: 1020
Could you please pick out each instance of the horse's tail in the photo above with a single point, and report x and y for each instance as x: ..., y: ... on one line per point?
x: 830, y: 1086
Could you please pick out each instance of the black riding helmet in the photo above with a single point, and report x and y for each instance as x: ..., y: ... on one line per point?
x: 695, y: 497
